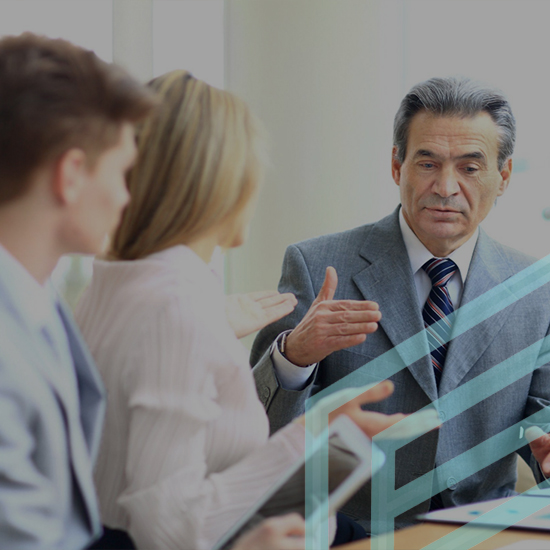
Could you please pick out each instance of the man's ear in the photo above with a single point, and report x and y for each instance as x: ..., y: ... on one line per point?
x: 505, y: 174
x: 395, y: 166
x: 69, y: 176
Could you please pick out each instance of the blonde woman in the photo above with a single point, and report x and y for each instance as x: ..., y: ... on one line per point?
x: 185, y: 450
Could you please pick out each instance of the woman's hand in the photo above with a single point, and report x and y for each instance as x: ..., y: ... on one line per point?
x: 277, y: 533
x: 373, y: 423
x: 250, y: 312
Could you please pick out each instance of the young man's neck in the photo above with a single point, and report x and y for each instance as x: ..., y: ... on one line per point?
x: 30, y: 238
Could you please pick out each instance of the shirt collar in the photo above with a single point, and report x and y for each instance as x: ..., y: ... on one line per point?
x: 419, y: 254
x: 191, y: 265
x: 34, y: 301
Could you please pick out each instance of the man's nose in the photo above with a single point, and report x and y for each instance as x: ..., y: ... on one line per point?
x: 446, y: 183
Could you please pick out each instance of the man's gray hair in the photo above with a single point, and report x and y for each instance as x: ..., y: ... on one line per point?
x: 455, y: 97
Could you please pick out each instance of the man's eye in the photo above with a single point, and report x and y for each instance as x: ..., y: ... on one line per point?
x: 427, y: 165
x: 470, y: 169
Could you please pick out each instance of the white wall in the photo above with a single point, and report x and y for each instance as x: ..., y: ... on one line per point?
x: 87, y: 23
x: 326, y: 77
x: 147, y: 37
x: 504, y: 43
x: 310, y: 70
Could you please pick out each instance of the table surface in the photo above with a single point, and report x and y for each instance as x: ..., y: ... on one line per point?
x: 419, y: 536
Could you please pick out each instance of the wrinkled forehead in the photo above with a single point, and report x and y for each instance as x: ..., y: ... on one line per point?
x: 453, y: 136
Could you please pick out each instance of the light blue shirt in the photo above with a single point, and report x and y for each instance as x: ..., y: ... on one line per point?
x: 37, y: 305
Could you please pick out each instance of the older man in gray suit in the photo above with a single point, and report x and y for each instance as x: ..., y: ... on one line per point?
x: 66, y: 140
x: 408, y: 273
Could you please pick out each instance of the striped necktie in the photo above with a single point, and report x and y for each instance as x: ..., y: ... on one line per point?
x: 437, y: 309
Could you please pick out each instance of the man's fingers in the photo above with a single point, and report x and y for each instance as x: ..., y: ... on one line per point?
x: 352, y: 305
x: 329, y: 285
x: 335, y: 343
x: 349, y: 329
x: 351, y: 317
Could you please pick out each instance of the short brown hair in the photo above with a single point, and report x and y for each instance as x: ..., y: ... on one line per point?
x: 200, y: 160
x: 55, y: 96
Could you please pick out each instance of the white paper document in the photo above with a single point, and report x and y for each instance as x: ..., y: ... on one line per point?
x: 520, y: 512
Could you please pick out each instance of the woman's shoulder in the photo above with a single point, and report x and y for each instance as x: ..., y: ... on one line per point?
x: 173, y: 274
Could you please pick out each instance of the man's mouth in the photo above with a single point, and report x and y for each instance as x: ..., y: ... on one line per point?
x: 435, y: 209
x: 443, y: 213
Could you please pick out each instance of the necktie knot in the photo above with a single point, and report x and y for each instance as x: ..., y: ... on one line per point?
x: 440, y: 270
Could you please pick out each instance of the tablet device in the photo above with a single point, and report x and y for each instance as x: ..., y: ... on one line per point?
x: 352, y: 459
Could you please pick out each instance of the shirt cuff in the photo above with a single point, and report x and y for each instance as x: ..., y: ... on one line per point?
x: 290, y: 376
x: 541, y: 472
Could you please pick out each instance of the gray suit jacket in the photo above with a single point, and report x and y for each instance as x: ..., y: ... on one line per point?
x: 372, y: 263
x: 49, y: 437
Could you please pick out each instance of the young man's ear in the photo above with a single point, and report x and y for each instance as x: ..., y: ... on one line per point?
x: 69, y: 176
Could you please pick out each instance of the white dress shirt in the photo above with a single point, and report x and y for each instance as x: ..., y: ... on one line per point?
x: 419, y: 255
x: 293, y: 377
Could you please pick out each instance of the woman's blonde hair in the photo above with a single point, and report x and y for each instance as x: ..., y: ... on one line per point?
x: 199, y: 163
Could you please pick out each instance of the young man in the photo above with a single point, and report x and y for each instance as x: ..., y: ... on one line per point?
x: 66, y: 141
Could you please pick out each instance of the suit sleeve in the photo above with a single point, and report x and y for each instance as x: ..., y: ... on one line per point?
x: 538, y: 402
x: 29, y: 504
x: 283, y: 405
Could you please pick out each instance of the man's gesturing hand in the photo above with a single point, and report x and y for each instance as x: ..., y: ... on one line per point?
x: 540, y: 447
x: 330, y: 325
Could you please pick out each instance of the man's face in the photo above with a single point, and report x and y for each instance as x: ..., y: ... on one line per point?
x: 449, y: 179
x: 104, y: 195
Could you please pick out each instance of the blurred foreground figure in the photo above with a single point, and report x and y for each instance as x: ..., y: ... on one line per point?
x: 66, y: 141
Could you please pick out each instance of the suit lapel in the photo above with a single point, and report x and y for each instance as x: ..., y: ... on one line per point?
x: 486, y: 271
x: 45, y: 361
x: 91, y: 412
x: 90, y: 386
x: 388, y: 280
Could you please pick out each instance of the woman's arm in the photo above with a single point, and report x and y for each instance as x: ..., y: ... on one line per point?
x: 170, y: 499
